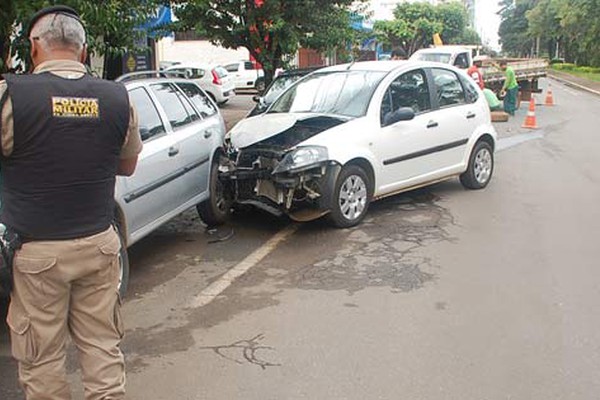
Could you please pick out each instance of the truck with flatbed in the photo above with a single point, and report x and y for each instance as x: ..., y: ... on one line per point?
x: 527, y: 70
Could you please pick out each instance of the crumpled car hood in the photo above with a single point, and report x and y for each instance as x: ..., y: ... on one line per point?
x: 283, y: 130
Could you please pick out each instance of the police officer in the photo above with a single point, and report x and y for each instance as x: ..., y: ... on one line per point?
x: 65, y: 135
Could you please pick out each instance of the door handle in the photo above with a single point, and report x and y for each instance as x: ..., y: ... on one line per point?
x: 432, y: 124
x: 470, y: 115
x: 208, y: 134
x: 173, y: 151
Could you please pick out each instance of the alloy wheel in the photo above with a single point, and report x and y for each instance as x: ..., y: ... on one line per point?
x: 353, y: 197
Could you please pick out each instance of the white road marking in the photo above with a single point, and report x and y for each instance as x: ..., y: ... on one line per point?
x: 216, y: 288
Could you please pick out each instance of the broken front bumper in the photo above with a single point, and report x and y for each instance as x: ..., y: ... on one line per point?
x: 303, y: 194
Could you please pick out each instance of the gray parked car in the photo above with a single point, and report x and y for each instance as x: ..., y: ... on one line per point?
x: 182, y: 131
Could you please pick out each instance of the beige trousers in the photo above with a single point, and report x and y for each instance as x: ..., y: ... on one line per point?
x: 62, y: 287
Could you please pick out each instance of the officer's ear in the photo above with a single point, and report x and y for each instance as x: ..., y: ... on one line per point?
x: 33, y: 50
x: 83, y: 55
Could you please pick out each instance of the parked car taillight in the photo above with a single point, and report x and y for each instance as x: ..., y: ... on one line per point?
x: 216, y: 79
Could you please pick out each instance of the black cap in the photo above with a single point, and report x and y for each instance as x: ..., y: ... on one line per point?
x: 59, y: 9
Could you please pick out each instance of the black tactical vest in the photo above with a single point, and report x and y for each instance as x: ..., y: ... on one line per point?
x: 59, y: 181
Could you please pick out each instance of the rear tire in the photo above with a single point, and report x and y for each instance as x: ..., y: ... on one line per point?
x: 480, y: 168
x: 351, y: 197
x: 123, y: 263
x: 216, y: 209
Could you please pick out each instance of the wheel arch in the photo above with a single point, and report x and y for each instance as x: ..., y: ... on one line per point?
x: 368, y: 168
x: 489, y: 139
x: 121, y: 221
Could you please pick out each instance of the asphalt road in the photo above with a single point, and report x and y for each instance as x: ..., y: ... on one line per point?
x: 441, y: 293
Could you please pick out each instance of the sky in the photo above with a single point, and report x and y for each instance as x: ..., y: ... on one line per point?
x: 487, y: 22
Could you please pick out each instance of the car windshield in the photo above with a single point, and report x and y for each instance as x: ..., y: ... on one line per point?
x: 346, y: 93
x: 279, y: 85
x: 434, y: 57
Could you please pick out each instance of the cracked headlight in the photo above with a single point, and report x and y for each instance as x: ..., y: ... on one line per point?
x: 302, y: 158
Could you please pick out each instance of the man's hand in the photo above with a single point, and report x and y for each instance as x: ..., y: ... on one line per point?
x: 127, y: 166
x: 502, y: 93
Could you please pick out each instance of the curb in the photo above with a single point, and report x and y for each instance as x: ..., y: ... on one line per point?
x: 568, y: 82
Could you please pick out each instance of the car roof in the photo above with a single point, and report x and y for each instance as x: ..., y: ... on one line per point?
x: 382, y: 66
x: 443, y: 49
x: 299, y: 71
x: 193, y: 65
x: 131, y: 84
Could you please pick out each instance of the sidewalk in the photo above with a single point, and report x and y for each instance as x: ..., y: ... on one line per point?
x: 581, y: 83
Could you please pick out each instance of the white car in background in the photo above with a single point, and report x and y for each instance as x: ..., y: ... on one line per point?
x: 346, y: 135
x: 213, y: 79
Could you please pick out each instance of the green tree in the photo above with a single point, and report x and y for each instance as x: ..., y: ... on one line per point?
x: 515, y: 37
x: 110, y: 24
x: 412, y: 28
x: 580, y: 20
x: 414, y: 24
x: 271, y: 30
x: 544, y: 24
x: 453, y: 18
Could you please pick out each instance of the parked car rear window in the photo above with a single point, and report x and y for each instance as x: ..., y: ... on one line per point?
x: 190, y: 73
x: 248, y: 65
x: 169, y: 99
x: 449, y: 90
x: 232, y: 67
x: 198, y: 98
x: 346, y: 93
x: 149, y: 120
x: 221, y: 72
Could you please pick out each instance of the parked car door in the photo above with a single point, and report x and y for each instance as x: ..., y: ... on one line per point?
x: 236, y: 75
x: 145, y: 195
x: 405, y: 148
x: 458, y: 118
x: 190, y: 133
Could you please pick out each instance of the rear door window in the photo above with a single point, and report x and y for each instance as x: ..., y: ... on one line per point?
x: 449, y: 90
x: 198, y: 98
x: 178, y: 113
x: 471, y: 93
x: 232, y: 67
x: 150, y: 123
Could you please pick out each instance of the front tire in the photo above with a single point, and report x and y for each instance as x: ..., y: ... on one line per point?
x: 216, y: 209
x: 260, y: 85
x: 351, y: 197
x: 480, y: 168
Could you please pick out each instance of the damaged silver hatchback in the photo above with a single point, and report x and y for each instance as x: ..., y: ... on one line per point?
x: 346, y: 135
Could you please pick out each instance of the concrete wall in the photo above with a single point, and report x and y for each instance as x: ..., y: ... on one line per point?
x: 168, y: 49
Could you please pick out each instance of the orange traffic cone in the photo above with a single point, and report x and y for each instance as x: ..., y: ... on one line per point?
x: 530, y: 121
x: 549, y: 98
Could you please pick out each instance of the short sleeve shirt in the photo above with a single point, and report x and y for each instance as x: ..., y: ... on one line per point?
x: 67, y: 69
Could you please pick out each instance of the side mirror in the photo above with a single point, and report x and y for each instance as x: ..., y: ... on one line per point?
x: 401, y: 114
x: 256, y: 98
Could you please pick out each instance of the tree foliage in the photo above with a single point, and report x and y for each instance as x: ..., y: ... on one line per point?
x: 414, y: 25
x: 271, y: 30
x: 569, y: 27
x: 110, y: 24
x: 514, y: 27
